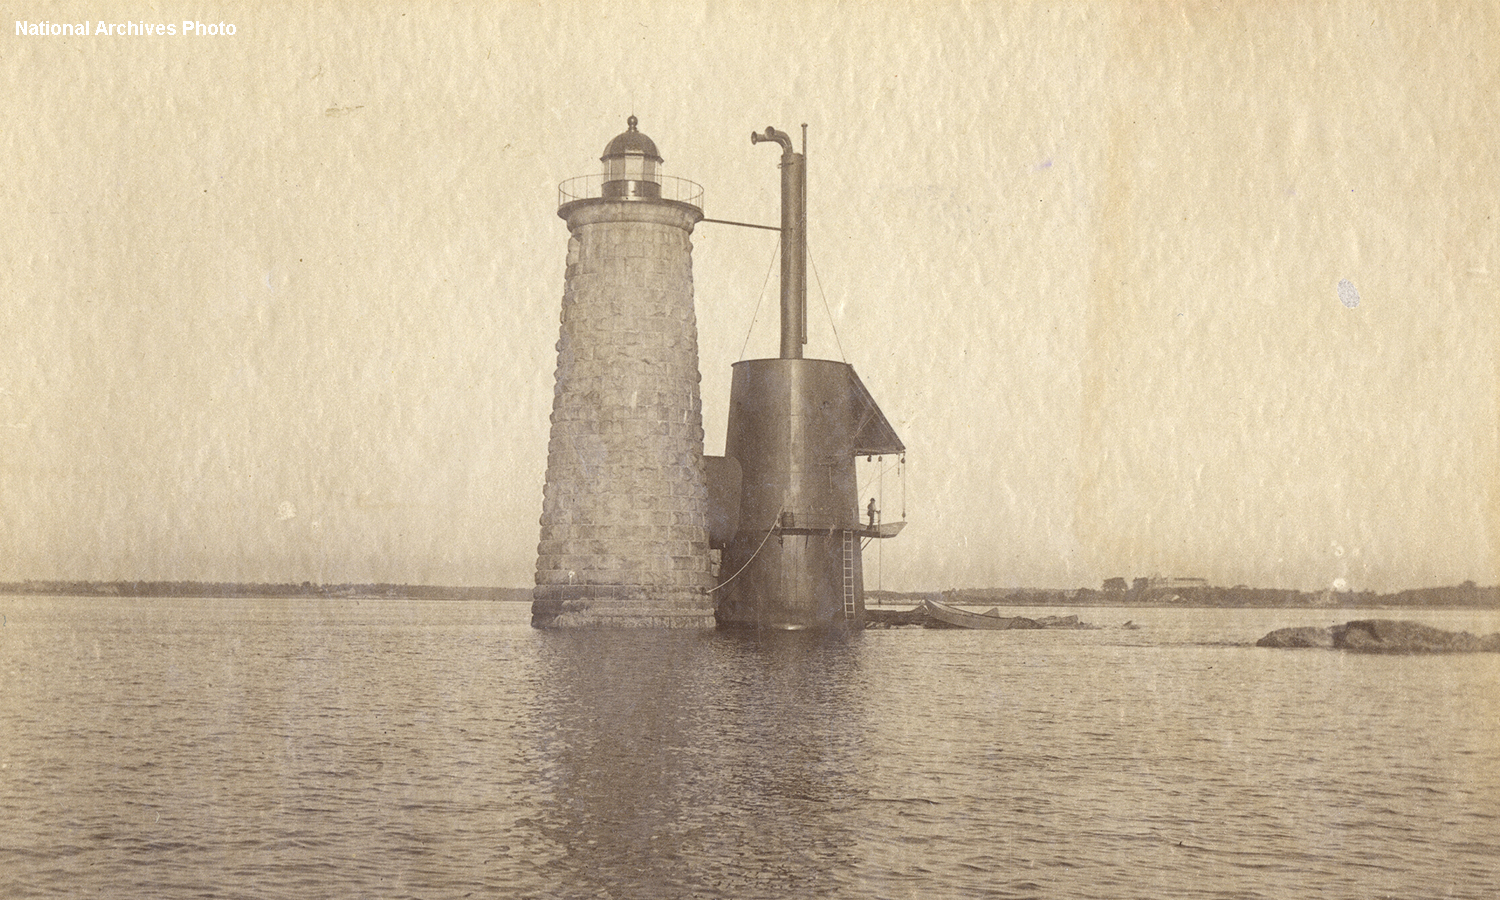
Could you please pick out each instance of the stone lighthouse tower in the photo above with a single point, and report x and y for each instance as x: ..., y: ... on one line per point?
x: 624, y: 526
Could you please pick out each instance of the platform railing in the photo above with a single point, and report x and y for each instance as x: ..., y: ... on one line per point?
x: 591, y: 187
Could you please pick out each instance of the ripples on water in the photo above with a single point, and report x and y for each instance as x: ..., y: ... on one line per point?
x: 221, y: 748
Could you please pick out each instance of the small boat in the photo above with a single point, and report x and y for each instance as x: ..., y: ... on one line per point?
x: 941, y: 615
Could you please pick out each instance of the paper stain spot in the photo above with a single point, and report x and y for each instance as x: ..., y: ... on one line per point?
x: 1347, y: 293
x: 286, y: 510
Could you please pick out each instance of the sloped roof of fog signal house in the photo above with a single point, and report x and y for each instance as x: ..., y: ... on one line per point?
x: 873, y: 434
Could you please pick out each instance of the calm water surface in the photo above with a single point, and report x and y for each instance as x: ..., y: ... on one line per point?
x: 234, y: 748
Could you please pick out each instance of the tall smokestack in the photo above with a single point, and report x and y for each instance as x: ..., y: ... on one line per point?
x: 793, y: 243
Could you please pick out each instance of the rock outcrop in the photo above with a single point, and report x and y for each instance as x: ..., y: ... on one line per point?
x: 876, y: 617
x: 1306, y: 636
x: 1383, y: 636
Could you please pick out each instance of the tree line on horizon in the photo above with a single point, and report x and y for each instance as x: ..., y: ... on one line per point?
x: 1195, y: 592
x: 1114, y: 592
x: 230, y: 589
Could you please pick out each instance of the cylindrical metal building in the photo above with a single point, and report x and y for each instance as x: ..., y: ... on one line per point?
x: 790, y: 428
x: 795, y: 428
x: 624, y: 525
x: 794, y: 560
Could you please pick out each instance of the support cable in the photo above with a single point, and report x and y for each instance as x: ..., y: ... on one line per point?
x: 901, y: 472
x: 879, y: 476
x: 742, y: 224
x: 774, y: 524
x: 826, y: 311
x: 775, y: 251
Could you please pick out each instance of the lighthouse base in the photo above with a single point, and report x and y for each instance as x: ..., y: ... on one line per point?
x: 614, y: 606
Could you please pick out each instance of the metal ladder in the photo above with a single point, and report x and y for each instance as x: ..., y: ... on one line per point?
x: 849, y: 604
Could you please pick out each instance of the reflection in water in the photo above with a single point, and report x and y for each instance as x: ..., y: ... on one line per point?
x: 182, y: 749
x: 691, y: 761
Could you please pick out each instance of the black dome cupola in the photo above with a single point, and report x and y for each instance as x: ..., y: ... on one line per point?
x: 632, y: 167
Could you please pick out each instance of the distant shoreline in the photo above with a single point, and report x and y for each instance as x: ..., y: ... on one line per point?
x: 233, y: 590
x: 1463, y: 596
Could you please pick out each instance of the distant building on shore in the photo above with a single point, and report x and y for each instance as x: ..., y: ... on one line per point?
x: 1165, y: 588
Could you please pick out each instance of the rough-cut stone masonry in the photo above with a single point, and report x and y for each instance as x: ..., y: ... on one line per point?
x: 624, y: 536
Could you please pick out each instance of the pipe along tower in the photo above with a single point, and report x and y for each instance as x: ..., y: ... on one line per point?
x: 633, y: 512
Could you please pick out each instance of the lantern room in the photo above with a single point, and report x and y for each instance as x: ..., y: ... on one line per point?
x: 632, y: 167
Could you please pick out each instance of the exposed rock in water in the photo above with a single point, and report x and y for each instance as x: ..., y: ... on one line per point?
x: 876, y: 617
x: 1059, y: 622
x: 1298, y: 637
x: 1385, y: 635
x: 1382, y: 636
x: 1012, y: 622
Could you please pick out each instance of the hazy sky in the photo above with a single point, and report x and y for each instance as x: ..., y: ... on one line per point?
x: 1191, y: 289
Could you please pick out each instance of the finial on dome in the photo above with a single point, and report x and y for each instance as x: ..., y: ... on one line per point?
x: 631, y: 142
